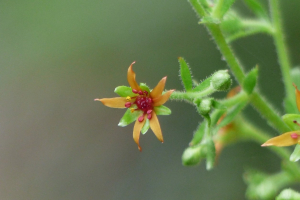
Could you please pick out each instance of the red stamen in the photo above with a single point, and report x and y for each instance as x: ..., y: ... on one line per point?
x: 149, y: 111
x: 134, y: 91
x: 149, y: 100
x: 149, y: 116
x: 145, y: 92
x: 296, y: 122
x: 141, y: 118
x: 127, y: 104
x: 294, y: 135
x: 141, y: 93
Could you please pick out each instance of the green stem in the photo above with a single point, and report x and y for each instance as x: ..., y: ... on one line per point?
x: 282, y: 52
x: 190, y: 96
x: 261, y: 105
x: 268, y: 112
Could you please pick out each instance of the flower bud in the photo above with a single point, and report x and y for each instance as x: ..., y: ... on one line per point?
x: 193, y: 155
x: 204, y: 106
x: 221, y: 80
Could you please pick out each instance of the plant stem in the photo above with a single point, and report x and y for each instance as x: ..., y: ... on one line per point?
x: 262, y: 106
x: 282, y: 52
x: 190, y: 96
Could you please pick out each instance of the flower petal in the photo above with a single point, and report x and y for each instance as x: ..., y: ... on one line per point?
x: 137, y: 131
x: 162, y: 98
x: 283, y: 140
x: 155, y: 127
x: 159, y: 88
x: 117, y: 102
x: 131, y: 78
x: 297, y: 97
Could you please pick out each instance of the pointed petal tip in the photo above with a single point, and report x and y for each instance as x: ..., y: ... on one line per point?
x: 96, y: 99
x: 265, y: 145
x: 295, y: 86
x: 140, y: 148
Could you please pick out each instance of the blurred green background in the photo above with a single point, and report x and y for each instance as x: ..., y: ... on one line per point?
x: 57, y: 143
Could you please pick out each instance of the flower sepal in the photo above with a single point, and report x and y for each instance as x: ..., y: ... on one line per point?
x: 295, y: 156
x: 124, y: 91
x: 292, y: 120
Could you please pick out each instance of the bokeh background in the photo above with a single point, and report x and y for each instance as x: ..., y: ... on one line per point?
x: 57, y: 143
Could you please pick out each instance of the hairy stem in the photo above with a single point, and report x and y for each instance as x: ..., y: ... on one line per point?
x: 262, y: 105
x: 282, y: 52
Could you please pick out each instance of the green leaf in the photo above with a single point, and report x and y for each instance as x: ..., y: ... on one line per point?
x: 124, y: 91
x: 145, y: 127
x: 209, y: 20
x: 203, y: 85
x: 198, y: 134
x: 162, y: 110
x: 210, y: 154
x: 231, y: 114
x: 250, y: 80
x: 290, y: 105
x: 216, y: 115
x: 232, y: 23
x: 289, y: 120
x: 295, y: 156
x: 264, y: 186
x: 144, y: 87
x: 185, y: 74
x: 288, y: 194
x: 257, y: 8
x: 217, y: 105
x: 295, y: 74
x: 129, y: 117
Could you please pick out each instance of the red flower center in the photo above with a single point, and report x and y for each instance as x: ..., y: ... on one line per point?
x: 143, y: 103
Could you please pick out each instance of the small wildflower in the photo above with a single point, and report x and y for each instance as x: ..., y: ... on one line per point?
x: 141, y: 102
x: 288, y: 138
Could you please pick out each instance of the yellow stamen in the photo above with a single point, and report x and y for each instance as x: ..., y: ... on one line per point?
x: 128, y: 98
x: 132, y: 110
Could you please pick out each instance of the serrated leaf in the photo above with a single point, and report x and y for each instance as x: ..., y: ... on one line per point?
x: 198, y: 134
x: 289, y: 120
x: 231, y: 114
x: 257, y: 8
x: 162, y: 110
x: 288, y: 194
x: 129, y: 117
x: 203, y: 85
x: 250, y: 80
x: 124, y: 91
x: 144, y: 87
x: 295, y: 156
x: 145, y: 127
x: 186, y: 75
x: 210, y: 154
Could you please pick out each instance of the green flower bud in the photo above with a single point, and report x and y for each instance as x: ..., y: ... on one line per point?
x: 204, y: 106
x: 221, y: 80
x: 193, y: 155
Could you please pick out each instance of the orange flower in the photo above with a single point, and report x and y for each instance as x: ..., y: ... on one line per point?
x: 288, y: 138
x: 141, y: 100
